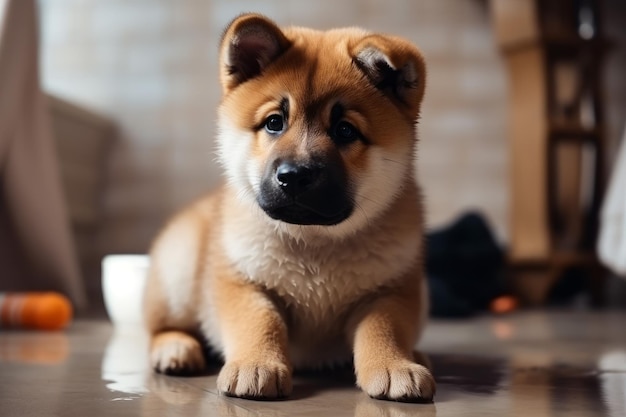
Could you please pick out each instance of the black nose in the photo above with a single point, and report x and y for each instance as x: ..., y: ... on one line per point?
x: 295, y: 179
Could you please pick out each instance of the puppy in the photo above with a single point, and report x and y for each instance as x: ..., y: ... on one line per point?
x: 311, y: 254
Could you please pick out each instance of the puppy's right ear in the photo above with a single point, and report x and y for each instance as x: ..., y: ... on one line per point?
x: 250, y: 43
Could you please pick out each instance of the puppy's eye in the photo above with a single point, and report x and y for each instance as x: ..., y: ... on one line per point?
x: 344, y: 133
x: 274, y: 124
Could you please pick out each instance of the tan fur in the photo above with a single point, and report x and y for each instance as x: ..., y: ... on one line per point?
x: 269, y: 295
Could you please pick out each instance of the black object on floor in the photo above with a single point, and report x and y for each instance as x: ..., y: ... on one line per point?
x: 464, y: 264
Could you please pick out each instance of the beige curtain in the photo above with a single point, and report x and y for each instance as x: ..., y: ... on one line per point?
x: 612, y: 239
x: 36, y: 248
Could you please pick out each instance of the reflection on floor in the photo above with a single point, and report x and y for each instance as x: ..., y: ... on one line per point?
x: 529, y: 364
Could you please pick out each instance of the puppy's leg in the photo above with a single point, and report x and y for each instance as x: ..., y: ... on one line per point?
x: 254, y: 336
x: 173, y: 348
x: 383, y: 334
x: 170, y: 298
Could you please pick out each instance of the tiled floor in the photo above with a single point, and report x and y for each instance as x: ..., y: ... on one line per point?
x: 532, y: 364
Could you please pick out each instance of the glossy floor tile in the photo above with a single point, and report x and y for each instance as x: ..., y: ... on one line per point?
x: 528, y: 364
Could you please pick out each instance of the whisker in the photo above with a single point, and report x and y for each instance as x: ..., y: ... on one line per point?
x: 376, y: 202
x: 367, y: 219
x: 394, y: 161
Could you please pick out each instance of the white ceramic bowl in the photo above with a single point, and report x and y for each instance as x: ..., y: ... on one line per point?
x: 123, y: 282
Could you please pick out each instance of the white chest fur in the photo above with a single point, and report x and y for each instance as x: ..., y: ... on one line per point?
x: 318, y: 280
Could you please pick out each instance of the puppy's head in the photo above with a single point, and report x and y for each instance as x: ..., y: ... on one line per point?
x: 317, y: 128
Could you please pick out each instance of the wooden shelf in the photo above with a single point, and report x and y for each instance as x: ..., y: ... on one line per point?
x: 555, y: 79
x: 559, y: 259
x: 574, y: 132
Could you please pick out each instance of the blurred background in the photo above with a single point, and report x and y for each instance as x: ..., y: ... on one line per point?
x: 129, y: 97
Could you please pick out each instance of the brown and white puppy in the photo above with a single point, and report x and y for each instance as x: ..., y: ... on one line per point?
x: 310, y: 254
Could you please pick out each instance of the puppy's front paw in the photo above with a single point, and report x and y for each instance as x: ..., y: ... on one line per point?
x: 176, y: 353
x: 400, y: 380
x: 251, y: 379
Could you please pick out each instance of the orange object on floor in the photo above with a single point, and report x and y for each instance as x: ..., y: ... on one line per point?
x: 504, y: 304
x: 35, y: 310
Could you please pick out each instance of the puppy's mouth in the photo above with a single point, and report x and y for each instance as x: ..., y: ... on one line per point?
x: 297, y: 213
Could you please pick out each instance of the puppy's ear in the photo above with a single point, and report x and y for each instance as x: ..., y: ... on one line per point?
x: 249, y: 44
x: 394, y: 66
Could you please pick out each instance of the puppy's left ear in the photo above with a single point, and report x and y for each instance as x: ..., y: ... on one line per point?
x: 395, y: 67
x: 250, y: 43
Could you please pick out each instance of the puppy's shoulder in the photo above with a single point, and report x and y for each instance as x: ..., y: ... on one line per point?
x: 193, y: 222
